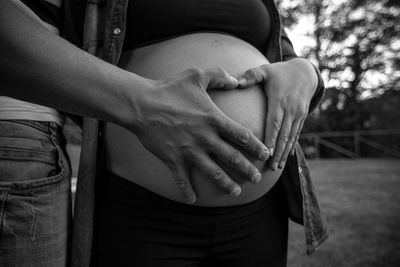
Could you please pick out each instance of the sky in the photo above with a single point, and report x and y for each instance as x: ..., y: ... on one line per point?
x: 298, y: 34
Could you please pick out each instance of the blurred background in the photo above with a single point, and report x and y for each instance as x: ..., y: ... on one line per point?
x: 353, y: 139
x: 356, y: 45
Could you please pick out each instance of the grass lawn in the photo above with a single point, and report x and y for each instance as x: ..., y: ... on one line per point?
x: 361, y: 201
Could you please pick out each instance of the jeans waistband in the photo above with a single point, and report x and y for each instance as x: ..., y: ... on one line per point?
x: 44, y: 126
x: 48, y: 127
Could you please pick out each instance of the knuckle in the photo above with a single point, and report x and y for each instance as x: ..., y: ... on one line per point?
x: 276, y: 124
x: 183, y: 189
x: 270, y: 141
x: 302, y: 110
x: 172, y: 163
x: 292, y: 138
x: 188, y: 151
x: 205, y: 138
x: 204, y: 142
x: 235, y: 159
x: 181, y: 183
x: 251, y: 71
x: 285, y: 137
x: 292, y: 109
x: 244, y: 137
x: 216, y: 175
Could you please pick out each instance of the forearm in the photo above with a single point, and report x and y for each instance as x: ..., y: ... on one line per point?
x: 38, y: 66
x: 316, y: 85
x: 306, y: 70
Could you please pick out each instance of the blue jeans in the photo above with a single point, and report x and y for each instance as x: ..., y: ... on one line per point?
x: 35, y: 194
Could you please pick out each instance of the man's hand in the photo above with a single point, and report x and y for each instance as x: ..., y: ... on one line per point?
x: 178, y: 122
x: 289, y: 87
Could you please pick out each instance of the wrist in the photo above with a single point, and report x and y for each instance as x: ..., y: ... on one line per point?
x: 131, y: 99
x: 307, y: 71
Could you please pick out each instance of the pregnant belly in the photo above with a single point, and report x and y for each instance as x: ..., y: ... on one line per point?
x: 126, y: 157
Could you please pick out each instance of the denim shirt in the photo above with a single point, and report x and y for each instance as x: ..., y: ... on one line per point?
x: 98, y: 26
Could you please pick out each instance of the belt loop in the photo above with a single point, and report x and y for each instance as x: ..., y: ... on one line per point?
x: 52, y: 128
x: 55, y: 132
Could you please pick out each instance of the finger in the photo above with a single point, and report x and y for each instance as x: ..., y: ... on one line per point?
x: 236, y: 161
x: 297, y: 136
x: 219, y: 78
x: 283, y: 137
x: 240, y: 136
x: 217, y: 175
x: 253, y: 76
x: 182, y: 181
x: 290, y: 143
x: 273, y: 126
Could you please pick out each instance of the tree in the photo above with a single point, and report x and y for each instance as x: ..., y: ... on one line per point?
x: 356, y: 45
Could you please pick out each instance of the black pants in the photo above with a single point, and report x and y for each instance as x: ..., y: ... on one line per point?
x: 135, y: 227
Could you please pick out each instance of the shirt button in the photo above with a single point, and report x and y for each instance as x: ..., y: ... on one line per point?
x: 117, y: 31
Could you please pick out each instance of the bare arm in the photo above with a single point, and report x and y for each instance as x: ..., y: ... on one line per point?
x: 38, y: 66
x: 178, y: 126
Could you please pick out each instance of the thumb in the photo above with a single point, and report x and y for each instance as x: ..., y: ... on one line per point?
x: 219, y: 78
x: 253, y: 76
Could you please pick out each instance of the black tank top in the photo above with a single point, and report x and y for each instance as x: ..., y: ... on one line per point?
x: 151, y: 21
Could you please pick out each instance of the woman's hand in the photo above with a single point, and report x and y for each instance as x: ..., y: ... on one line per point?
x: 289, y: 87
x: 177, y: 121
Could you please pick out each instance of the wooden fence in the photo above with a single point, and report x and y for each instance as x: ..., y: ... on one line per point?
x: 360, y: 138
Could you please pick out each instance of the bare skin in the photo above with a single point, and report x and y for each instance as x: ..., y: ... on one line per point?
x: 288, y: 102
x: 38, y: 66
x: 125, y: 155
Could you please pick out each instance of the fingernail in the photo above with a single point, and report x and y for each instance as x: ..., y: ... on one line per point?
x: 234, y: 80
x: 264, y: 155
x: 256, y: 178
x: 275, y: 166
x: 241, y: 81
x: 191, y: 200
x: 236, y: 192
x: 282, y: 164
x: 271, y: 151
